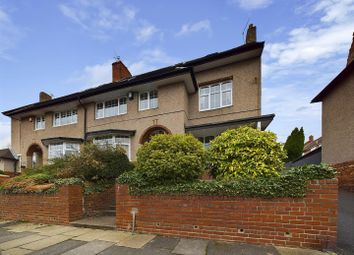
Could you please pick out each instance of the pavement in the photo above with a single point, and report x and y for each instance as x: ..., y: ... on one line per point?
x: 345, y: 224
x: 41, y: 239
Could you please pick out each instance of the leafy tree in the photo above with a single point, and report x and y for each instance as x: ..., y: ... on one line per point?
x: 294, y: 144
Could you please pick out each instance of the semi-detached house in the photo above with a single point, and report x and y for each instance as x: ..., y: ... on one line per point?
x: 203, y: 97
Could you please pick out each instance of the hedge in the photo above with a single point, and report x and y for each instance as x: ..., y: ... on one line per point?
x: 291, y: 183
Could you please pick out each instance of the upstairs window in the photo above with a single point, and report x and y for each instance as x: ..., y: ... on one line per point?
x: 111, y: 108
x: 39, y: 123
x: 65, y: 118
x: 59, y: 150
x: 215, y: 96
x: 148, y: 100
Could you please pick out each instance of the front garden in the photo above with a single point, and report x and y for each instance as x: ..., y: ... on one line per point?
x: 243, y: 162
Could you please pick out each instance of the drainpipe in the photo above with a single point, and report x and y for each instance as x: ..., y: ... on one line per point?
x: 85, y: 117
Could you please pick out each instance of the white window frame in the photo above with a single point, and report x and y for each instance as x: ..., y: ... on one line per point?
x: 73, y: 114
x: 203, y: 139
x: 63, y: 144
x: 114, y: 143
x: 149, y: 100
x: 118, y: 112
x: 42, y: 121
x: 220, y: 95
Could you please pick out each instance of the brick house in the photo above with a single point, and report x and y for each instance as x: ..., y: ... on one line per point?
x: 203, y: 97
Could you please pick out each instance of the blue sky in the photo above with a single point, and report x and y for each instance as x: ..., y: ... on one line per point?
x: 65, y: 46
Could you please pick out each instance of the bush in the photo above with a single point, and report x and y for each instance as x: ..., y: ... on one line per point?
x: 95, y: 163
x: 171, y: 158
x: 290, y: 183
x: 246, y: 152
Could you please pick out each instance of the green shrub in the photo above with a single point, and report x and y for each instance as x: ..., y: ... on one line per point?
x: 171, y: 158
x: 246, y: 152
x: 96, y: 163
x: 291, y: 183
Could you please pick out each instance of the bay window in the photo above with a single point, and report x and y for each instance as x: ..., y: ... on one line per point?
x: 148, y: 100
x: 111, y: 108
x: 114, y: 141
x: 58, y: 150
x: 65, y: 118
x: 215, y: 96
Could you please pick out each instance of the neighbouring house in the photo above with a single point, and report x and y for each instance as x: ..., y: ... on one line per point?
x: 338, y: 115
x: 312, y: 153
x: 8, y: 161
x: 203, y: 97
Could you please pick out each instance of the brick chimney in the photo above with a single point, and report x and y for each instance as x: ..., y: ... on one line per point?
x: 119, y: 71
x: 251, y: 35
x: 351, y: 52
x: 44, y: 97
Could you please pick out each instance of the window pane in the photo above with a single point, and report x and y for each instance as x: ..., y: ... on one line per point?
x: 154, y: 103
x: 57, y: 119
x: 204, y: 91
x: 204, y: 102
x: 226, y: 98
x: 215, y: 97
x: 153, y: 94
x: 55, y: 150
x: 71, y: 148
x: 123, y: 106
x: 226, y: 86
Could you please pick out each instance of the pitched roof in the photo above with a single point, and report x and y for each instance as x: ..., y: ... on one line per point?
x: 7, y: 154
x: 312, y: 145
x: 166, y: 72
x: 336, y: 82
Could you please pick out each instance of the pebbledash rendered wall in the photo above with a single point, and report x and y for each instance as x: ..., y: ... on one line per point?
x: 59, y: 208
x: 308, y: 222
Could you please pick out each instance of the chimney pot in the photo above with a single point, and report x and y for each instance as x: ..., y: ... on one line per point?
x: 44, y: 97
x: 251, y: 35
x: 119, y: 71
x: 351, y: 52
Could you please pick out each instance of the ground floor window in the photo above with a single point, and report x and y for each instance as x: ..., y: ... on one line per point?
x: 113, y: 141
x: 206, y: 140
x: 58, y: 150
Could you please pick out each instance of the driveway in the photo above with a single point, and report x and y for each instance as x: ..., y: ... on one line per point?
x: 39, y: 239
x: 345, y: 224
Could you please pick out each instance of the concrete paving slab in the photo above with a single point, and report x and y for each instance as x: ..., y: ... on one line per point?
x: 114, y: 236
x: 53, y: 230
x: 7, y: 235
x: 46, y: 242
x: 59, y: 248
x: 90, y: 248
x: 91, y: 235
x: 99, y: 222
x: 16, y: 251
x: 5, y: 223
x: 191, y: 247
x: 216, y: 248
x: 20, y: 241
x: 119, y: 250
x: 297, y: 251
x: 20, y: 227
x: 77, y: 232
x: 136, y: 241
x: 163, y: 242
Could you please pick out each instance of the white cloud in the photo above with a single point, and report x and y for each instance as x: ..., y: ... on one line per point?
x: 9, y: 35
x: 252, y: 4
x: 94, y: 75
x: 146, y: 32
x: 100, y: 18
x: 150, y: 60
x: 5, y: 134
x: 188, y: 28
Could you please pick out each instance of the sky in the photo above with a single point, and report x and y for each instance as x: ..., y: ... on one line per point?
x: 66, y: 46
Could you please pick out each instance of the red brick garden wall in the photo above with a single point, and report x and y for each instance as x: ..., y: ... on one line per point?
x: 345, y: 175
x: 59, y: 208
x: 303, y: 222
x: 98, y: 202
